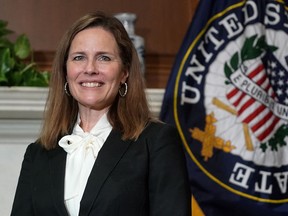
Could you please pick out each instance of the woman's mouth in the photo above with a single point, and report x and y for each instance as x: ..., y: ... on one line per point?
x: 91, y: 84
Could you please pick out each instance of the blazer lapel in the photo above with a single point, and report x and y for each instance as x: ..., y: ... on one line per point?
x: 57, y: 158
x: 108, y: 157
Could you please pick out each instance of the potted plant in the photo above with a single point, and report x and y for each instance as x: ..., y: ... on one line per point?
x: 22, y: 83
x: 15, y: 67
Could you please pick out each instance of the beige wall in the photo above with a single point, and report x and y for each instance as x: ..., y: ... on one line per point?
x: 162, y: 23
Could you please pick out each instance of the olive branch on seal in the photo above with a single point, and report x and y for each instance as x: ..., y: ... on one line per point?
x: 253, y: 47
x: 278, y: 139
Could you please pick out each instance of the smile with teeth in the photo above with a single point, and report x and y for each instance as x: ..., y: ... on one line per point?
x: 91, y: 84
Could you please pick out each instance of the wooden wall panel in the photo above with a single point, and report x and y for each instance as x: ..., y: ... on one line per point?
x: 162, y: 23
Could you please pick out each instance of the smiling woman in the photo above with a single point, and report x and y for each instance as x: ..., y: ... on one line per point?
x: 94, y: 71
x: 100, y: 151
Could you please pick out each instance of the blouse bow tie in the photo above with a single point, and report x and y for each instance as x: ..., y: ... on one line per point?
x: 82, y: 151
x: 72, y: 143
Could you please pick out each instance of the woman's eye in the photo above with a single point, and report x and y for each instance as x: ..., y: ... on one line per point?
x: 104, y: 58
x: 78, y: 58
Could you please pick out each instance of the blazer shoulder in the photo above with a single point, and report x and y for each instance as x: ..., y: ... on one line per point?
x: 35, y: 150
x: 158, y: 127
x: 158, y: 133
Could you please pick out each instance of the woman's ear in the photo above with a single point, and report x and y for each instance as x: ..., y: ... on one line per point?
x: 125, y: 76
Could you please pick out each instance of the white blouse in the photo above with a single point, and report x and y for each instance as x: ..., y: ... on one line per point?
x: 82, y: 149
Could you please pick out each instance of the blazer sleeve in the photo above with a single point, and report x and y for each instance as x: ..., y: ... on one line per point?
x: 169, y: 190
x: 22, y: 205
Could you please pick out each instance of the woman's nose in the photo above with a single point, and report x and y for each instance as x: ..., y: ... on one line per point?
x: 91, y: 67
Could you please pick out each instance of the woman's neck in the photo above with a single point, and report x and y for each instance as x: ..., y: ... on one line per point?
x: 90, y: 117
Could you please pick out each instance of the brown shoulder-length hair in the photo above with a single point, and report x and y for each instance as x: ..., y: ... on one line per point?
x: 127, y: 114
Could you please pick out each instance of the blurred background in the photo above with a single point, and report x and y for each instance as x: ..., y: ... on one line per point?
x: 162, y: 24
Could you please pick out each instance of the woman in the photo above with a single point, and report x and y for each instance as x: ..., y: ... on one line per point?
x: 100, y: 152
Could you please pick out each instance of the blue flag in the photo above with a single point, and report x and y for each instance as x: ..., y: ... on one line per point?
x: 228, y: 97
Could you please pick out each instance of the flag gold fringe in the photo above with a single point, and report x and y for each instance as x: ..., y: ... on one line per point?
x: 196, y: 210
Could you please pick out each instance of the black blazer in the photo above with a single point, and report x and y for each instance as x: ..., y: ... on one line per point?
x: 147, y: 177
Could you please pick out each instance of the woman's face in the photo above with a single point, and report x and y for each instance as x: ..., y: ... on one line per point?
x: 94, y: 68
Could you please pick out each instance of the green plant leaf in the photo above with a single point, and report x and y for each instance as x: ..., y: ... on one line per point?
x: 22, y: 47
x: 27, y: 68
x: 7, y: 63
x: 46, y: 77
x: 3, y: 78
x: 35, y: 78
x: 3, y: 28
x: 5, y: 43
x: 15, y: 79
